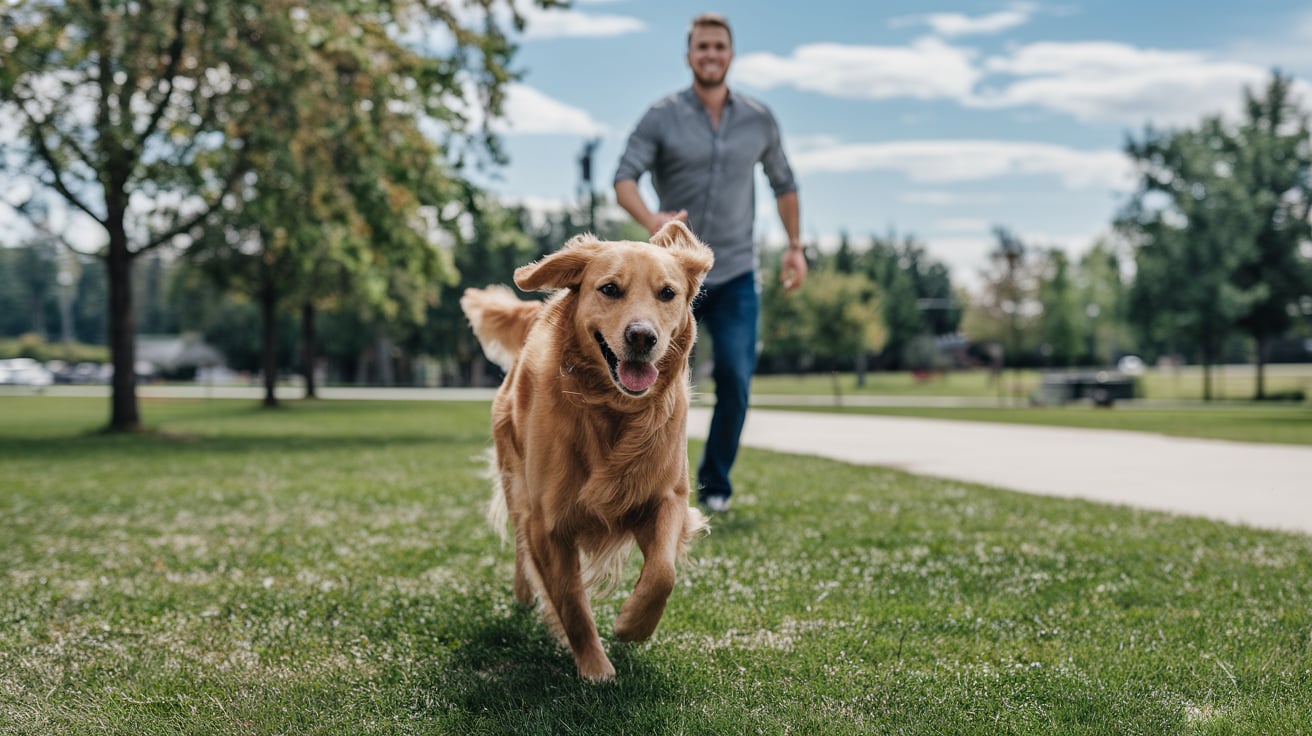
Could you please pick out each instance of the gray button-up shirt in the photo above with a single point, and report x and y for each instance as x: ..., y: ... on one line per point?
x: 710, y: 172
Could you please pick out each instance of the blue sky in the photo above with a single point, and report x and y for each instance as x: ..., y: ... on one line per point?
x: 937, y: 119
x: 933, y: 119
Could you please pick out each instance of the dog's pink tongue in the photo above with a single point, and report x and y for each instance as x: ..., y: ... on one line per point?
x: 637, y: 376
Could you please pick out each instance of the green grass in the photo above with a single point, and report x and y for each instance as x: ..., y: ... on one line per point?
x: 1281, y: 424
x: 1230, y: 383
x: 324, y: 569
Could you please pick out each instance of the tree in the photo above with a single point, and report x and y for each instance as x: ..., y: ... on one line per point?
x: 1193, y: 226
x: 1272, y: 155
x: 153, y: 118
x: 339, y: 182
x: 27, y: 282
x: 1061, y: 316
x: 498, y: 246
x: 888, y: 264
x: 1008, y: 307
x: 137, y: 115
x: 833, y: 323
x: 1101, y: 295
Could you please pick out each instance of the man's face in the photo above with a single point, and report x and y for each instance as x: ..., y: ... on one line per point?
x: 709, y: 54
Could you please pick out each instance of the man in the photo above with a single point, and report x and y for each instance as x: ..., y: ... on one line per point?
x: 701, y: 147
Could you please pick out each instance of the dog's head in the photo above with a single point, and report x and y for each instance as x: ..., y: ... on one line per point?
x: 633, y: 312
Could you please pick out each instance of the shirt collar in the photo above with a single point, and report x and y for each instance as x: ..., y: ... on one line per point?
x: 690, y: 96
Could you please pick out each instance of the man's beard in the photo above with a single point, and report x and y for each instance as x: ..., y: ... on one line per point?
x: 709, y: 82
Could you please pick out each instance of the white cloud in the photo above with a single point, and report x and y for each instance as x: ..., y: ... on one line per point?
x: 529, y: 111
x: 958, y: 24
x: 926, y: 69
x: 558, y: 23
x: 538, y: 24
x: 967, y: 160
x: 1118, y: 83
x: 526, y: 111
x: 1090, y: 81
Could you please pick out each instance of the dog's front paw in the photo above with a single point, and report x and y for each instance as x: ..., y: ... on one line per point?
x: 635, y: 624
x: 595, y: 669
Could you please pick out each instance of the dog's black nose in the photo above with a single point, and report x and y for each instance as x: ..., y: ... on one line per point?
x: 640, y: 337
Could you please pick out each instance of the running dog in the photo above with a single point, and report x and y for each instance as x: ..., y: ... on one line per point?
x: 589, y: 427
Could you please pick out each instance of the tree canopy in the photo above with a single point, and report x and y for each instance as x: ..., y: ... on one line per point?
x: 158, y: 119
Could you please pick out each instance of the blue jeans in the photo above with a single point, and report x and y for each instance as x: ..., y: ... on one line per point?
x: 729, y: 313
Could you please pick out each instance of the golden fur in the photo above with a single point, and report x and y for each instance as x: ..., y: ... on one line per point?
x: 590, y: 425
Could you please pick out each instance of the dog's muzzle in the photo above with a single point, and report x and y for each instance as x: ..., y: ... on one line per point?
x: 636, y: 373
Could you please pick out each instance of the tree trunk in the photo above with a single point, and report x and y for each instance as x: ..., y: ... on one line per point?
x: 124, y: 413
x: 386, y: 370
x: 1261, y: 367
x: 1207, y: 372
x: 308, y: 348
x: 268, y: 308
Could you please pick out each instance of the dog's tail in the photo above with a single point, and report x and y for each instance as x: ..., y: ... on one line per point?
x: 501, y: 321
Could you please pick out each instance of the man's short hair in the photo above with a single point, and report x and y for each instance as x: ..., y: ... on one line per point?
x: 710, y: 20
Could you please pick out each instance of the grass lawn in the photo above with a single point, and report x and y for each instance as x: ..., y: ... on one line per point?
x: 1229, y: 383
x: 324, y: 569
x: 1281, y: 424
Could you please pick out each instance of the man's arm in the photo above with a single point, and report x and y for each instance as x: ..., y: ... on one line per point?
x: 627, y: 196
x: 792, y: 269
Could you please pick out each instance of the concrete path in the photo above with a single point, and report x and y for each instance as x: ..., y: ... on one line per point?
x: 1259, y: 485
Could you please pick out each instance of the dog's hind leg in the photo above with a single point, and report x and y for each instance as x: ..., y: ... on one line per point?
x: 660, y: 541
x: 557, y: 563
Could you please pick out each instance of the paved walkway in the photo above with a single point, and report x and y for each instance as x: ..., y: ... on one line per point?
x: 1259, y: 485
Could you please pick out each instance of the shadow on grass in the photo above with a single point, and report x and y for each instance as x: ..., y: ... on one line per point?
x: 92, y: 446
x: 508, y: 675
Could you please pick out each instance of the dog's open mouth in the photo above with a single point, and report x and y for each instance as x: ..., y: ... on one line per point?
x: 634, y: 377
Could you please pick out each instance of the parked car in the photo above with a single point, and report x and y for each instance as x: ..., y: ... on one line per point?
x: 24, y: 372
x: 1130, y: 365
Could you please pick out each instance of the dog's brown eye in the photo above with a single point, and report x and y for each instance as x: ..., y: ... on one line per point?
x: 610, y: 290
x: 666, y: 294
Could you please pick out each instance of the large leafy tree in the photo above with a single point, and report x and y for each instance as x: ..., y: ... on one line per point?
x: 155, y: 119
x: 340, y: 183
x: 1217, y: 222
x: 139, y: 116
x: 1272, y: 154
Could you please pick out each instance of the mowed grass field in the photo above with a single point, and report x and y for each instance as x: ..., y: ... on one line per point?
x: 325, y: 569
x: 1267, y: 423
x: 1229, y: 383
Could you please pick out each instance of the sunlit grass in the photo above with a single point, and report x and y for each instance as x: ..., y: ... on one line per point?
x: 325, y: 569
x: 1269, y: 423
x: 1229, y: 383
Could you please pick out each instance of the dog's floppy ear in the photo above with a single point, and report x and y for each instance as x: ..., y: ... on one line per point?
x: 694, y: 255
x: 561, y: 269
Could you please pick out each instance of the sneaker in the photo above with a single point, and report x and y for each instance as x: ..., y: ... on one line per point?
x: 716, y: 502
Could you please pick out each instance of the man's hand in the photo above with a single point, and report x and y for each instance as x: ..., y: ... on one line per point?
x: 658, y: 219
x: 792, y: 269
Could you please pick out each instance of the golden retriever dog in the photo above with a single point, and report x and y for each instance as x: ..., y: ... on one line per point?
x: 590, y: 425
